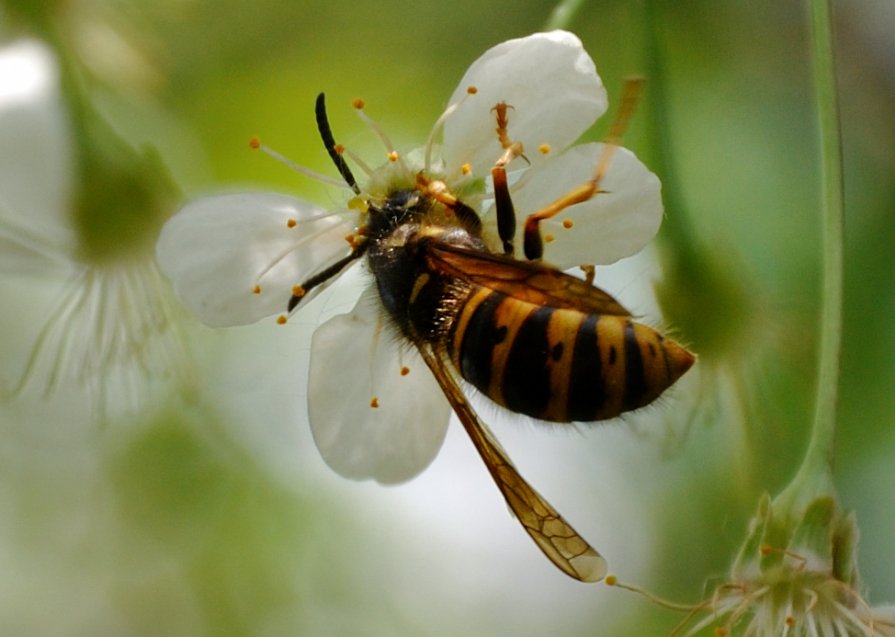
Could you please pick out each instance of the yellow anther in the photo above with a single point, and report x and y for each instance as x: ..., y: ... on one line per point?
x: 291, y: 223
x: 256, y: 289
x: 405, y: 370
x: 358, y: 203
x: 393, y: 156
x: 374, y: 402
x: 466, y: 169
x: 254, y: 143
x: 471, y: 90
x: 358, y: 104
x: 544, y: 149
x: 298, y: 291
x: 548, y: 238
x: 567, y: 223
x: 281, y: 319
x: 339, y: 149
x: 611, y: 580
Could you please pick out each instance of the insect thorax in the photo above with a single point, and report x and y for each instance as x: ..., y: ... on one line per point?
x: 420, y: 300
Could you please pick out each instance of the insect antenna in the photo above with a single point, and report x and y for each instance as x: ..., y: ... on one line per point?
x: 332, y: 148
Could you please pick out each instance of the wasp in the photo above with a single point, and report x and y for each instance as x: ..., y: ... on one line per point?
x: 530, y: 337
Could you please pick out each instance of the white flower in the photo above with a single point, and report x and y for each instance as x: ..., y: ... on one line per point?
x: 98, y: 340
x: 234, y: 259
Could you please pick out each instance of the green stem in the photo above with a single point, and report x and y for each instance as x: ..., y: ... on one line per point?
x: 562, y: 14
x: 818, y: 461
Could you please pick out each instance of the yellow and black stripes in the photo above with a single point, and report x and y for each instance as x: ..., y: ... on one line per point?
x: 560, y: 364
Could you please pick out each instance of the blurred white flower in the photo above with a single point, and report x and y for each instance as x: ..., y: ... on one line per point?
x: 234, y: 259
x: 796, y: 575
x: 110, y: 327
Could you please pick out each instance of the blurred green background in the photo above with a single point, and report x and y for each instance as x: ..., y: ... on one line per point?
x: 213, y: 515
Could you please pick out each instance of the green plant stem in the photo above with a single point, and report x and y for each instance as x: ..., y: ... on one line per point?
x: 818, y: 460
x: 562, y: 14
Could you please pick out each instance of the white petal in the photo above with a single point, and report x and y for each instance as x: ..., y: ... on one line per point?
x: 611, y: 225
x: 553, y: 88
x: 353, y: 360
x: 217, y: 249
x: 35, y: 158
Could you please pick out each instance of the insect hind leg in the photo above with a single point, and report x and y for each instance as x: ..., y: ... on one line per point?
x: 506, y: 212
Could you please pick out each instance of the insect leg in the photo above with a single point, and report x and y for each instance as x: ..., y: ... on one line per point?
x: 532, y: 242
x: 301, y: 291
x: 506, y: 213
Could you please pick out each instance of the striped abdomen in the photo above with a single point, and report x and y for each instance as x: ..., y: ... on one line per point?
x: 561, y: 364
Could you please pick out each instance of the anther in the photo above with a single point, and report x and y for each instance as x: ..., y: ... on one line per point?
x: 291, y: 223
x: 544, y: 149
x: 339, y: 149
x: 298, y: 291
x: 466, y: 169
x: 393, y: 156
x: 254, y: 143
x: 358, y: 104
x: 548, y: 238
x: 567, y: 223
x: 256, y: 289
x: 281, y: 319
x: 405, y: 370
x: 471, y: 90
x: 374, y: 402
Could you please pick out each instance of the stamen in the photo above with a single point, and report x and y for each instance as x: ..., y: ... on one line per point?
x: 567, y: 223
x: 256, y: 289
x: 405, y: 370
x: 360, y: 163
x: 374, y: 402
x: 281, y: 319
x: 298, y: 291
x: 439, y: 124
x: 291, y: 223
x: 358, y: 108
x: 307, y: 172
x: 544, y: 149
x: 466, y: 169
x: 393, y: 156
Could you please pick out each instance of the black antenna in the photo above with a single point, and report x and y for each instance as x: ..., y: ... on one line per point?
x: 326, y: 135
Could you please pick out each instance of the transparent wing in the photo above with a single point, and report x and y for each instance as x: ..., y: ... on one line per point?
x: 353, y: 364
x: 526, y: 280
x: 554, y: 536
